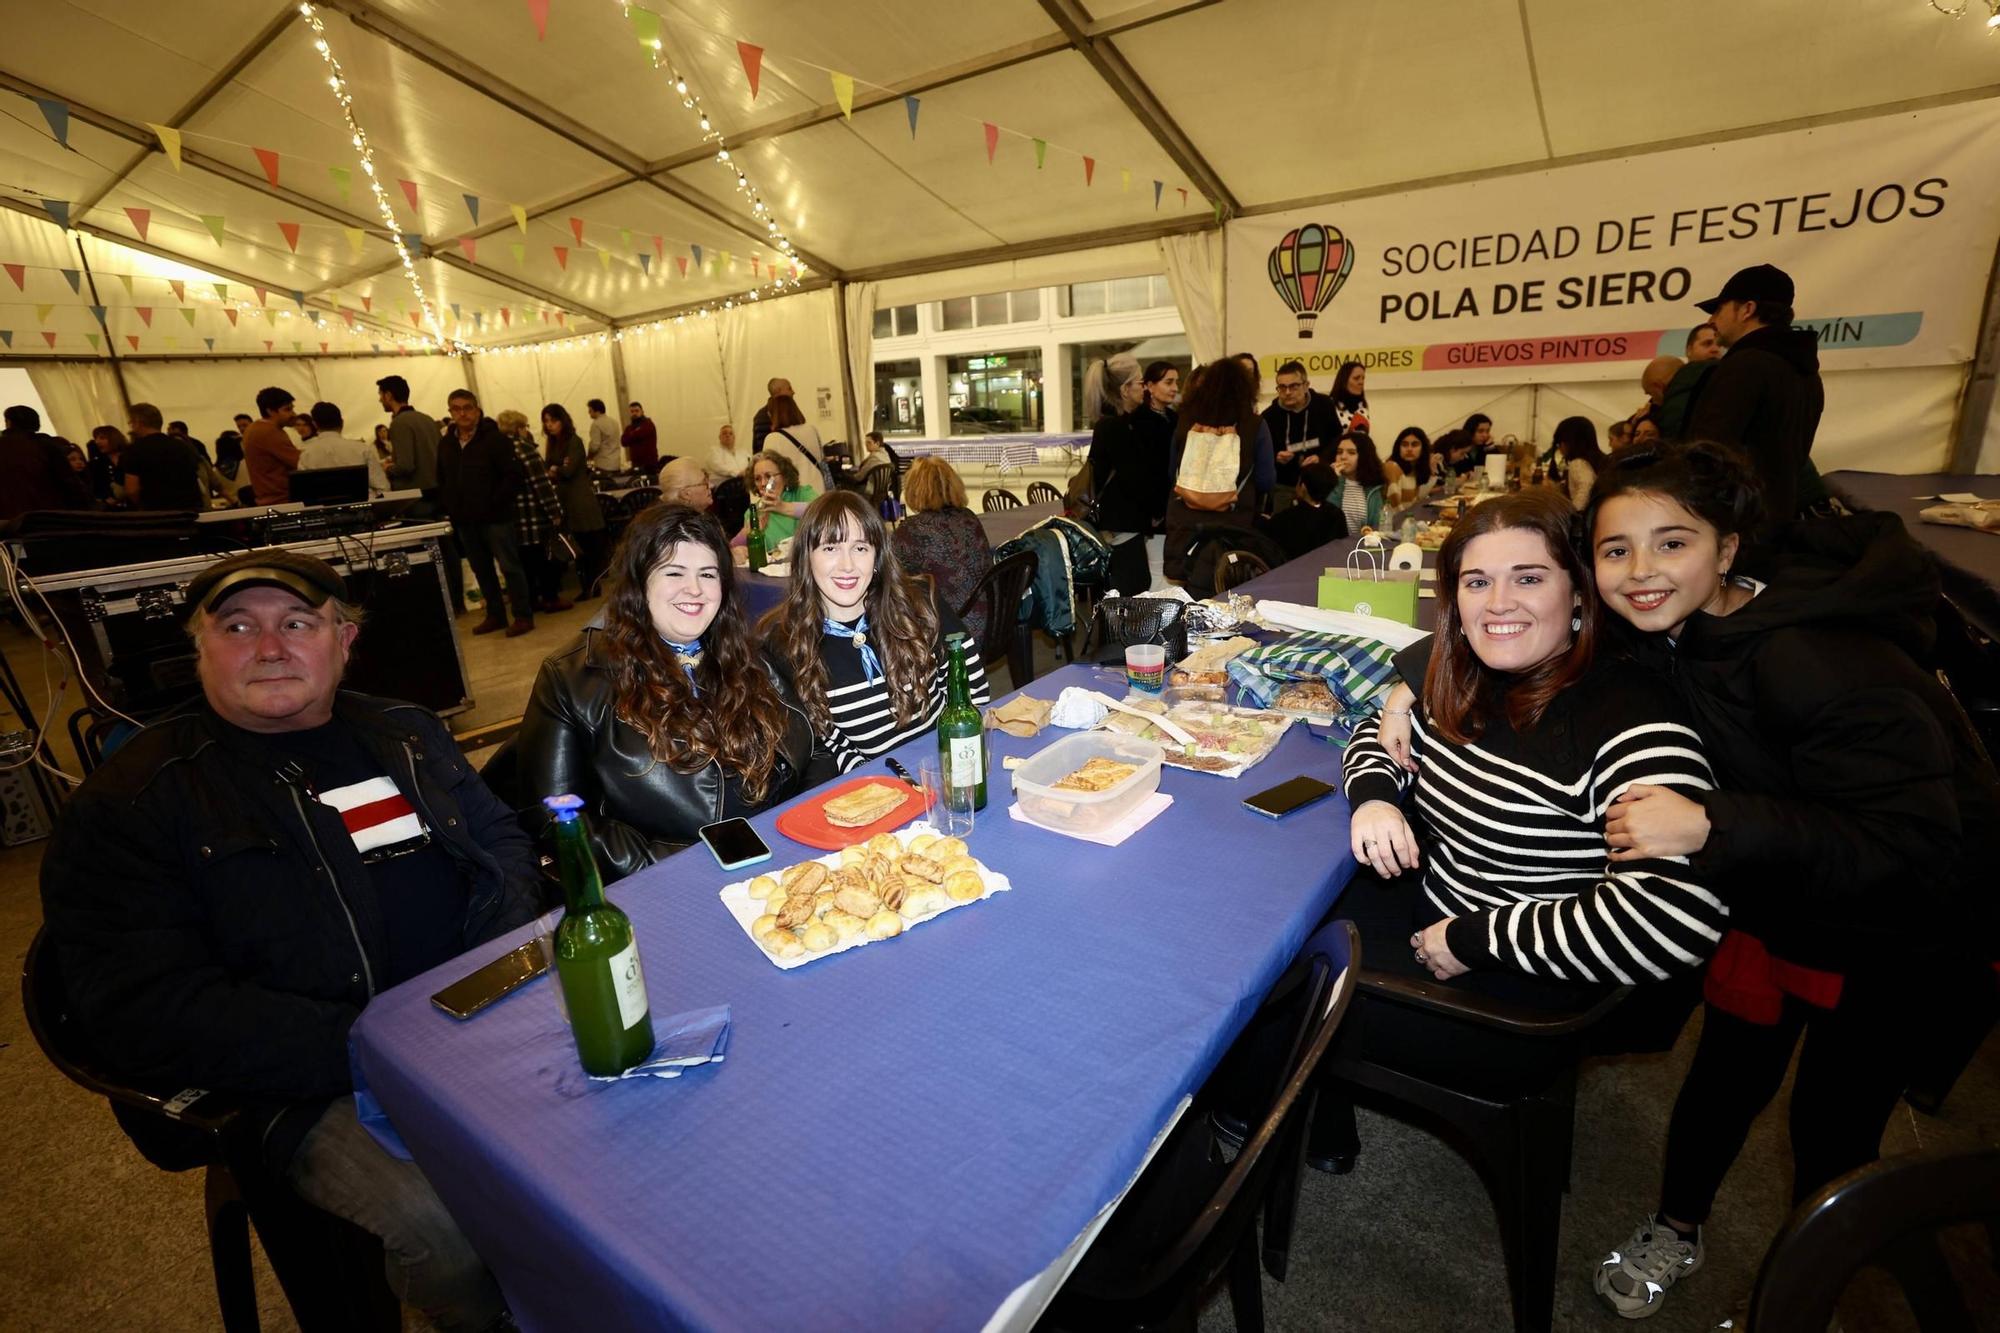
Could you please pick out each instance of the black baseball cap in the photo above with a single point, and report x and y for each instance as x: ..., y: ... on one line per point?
x: 311, y: 578
x: 1759, y: 282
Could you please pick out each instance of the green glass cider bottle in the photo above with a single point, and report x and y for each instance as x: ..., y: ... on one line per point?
x: 961, y: 730
x: 597, y: 958
x: 755, y: 541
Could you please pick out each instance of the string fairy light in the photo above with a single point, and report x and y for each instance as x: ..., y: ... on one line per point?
x: 337, y: 81
x: 1958, y: 11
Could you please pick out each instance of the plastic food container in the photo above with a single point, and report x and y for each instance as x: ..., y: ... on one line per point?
x: 1086, y: 811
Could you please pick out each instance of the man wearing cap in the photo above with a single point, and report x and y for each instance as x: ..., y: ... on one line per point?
x: 233, y: 886
x: 1764, y: 397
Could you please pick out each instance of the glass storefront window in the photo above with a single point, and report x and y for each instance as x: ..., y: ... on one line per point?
x: 896, y: 321
x: 995, y: 392
x: 1169, y: 347
x: 1117, y: 296
x: 978, y: 312
x: 899, y: 398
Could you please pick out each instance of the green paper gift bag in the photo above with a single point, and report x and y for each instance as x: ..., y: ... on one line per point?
x: 1367, y: 589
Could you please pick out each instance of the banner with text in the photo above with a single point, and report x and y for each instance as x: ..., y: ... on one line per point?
x: 1887, y: 226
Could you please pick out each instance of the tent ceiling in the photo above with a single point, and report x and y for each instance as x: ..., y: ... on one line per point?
x: 1275, y: 102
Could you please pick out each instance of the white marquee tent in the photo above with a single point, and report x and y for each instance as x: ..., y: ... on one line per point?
x: 574, y: 229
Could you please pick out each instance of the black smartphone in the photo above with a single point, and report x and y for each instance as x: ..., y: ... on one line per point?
x: 734, y: 844
x: 1286, y: 797
x: 500, y: 978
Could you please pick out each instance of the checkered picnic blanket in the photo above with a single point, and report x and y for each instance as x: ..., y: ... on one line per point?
x: 1358, y: 670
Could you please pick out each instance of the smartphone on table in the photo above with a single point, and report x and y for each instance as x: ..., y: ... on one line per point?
x: 1286, y: 797
x: 497, y: 980
x: 734, y: 844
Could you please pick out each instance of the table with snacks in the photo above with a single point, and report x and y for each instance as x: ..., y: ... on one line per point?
x: 1298, y: 580
x: 911, y: 1128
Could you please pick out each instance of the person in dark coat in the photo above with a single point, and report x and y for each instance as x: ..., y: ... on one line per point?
x: 1764, y: 397
x: 34, y: 468
x: 567, y: 463
x: 1310, y: 522
x: 1304, y: 427
x: 160, y: 472
x: 478, y: 476
x: 1124, y: 473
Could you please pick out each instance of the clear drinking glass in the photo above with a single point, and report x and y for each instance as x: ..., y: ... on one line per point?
x: 948, y: 808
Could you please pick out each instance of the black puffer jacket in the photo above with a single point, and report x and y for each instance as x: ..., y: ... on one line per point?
x: 1857, y: 823
x: 1765, y: 398
x: 640, y: 810
x: 217, y: 927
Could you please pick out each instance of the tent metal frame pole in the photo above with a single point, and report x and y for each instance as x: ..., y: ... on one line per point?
x: 844, y: 347
x: 463, y: 265
x: 117, y: 371
x: 1052, y: 245
x: 1975, y: 403
x: 1123, y: 80
x: 629, y: 322
x: 619, y: 384
x: 207, y: 358
x: 495, y: 227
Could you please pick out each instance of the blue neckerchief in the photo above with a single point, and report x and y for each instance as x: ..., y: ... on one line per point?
x: 690, y: 658
x: 871, y: 665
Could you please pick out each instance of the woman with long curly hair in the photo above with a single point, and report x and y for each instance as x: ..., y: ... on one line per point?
x: 661, y: 714
x: 861, y: 641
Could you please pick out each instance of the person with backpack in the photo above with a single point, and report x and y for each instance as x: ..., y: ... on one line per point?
x: 1223, y: 458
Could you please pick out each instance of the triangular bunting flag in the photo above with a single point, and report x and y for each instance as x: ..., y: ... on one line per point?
x: 576, y: 229
x: 188, y: 315
x: 42, y: 313
x: 520, y: 254
x: 645, y: 26
x: 356, y: 238
x: 210, y: 342
x: 472, y: 207
x: 695, y: 250
x: 178, y: 288
x: 1041, y: 153
x: 268, y: 159
x: 416, y: 320
x: 7, y: 337
x: 221, y: 290
x: 624, y: 239
x: 910, y: 106
x: 290, y: 231
x: 753, y: 266
x: 1089, y: 169
x: 170, y: 142
x: 263, y: 295
x: 470, y: 246
x: 271, y: 318
x: 133, y: 339
x: 98, y: 312
x: 213, y: 221
x: 323, y: 347
x: 49, y: 338
x: 268, y: 344
x: 659, y: 247
x: 374, y: 347
x: 457, y: 317
x: 1157, y: 187
x: 348, y: 315
x: 604, y: 260
x: 843, y: 92
x: 538, y: 10
x: 506, y: 317
x: 1183, y: 195
x: 368, y: 304
x: 562, y: 318
x: 126, y: 280
x: 413, y: 242
x: 724, y: 263
x: 681, y: 260
x: 95, y: 342
x: 145, y: 313
x: 562, y: 257
x: 1125, y: 180
x: 57, y: 114
x: 142, y: 220
x: 410, y: 193
x: 645, y: 263
x: 230, y: 314
x: 299, y: 300
x: 520, y: 217
x: 479, y: 319
x: 992, y: 140
x: 59, y: 210
x: 75, y: 278
x: 19, y: 273
x: 343, y: 180
x: 753, y: 64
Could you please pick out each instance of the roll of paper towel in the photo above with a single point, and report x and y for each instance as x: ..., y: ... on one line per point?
x: 1407, y: 555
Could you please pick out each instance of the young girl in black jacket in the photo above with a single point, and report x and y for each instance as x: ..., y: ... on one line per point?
x: 1853, y: 830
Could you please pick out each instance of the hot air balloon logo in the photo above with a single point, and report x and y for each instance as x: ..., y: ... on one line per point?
x: 1307, y: 268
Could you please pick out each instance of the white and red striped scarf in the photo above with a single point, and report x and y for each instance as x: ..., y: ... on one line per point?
x: 379, y: 818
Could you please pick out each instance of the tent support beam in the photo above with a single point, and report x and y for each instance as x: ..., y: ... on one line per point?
x: 203, y: 96
x: 1975, y: 405
x: 1626, y: 150
x: 843, y: 346
x: 117, y: 371
x: 619, y: 384
x: 1123, y: 80
x: 689, y: 307
x: 494, y: 228
x: 1150, y: 231
x: 158, y: 252
x: 369, y: 19
x: 207, y: 358
x: 464, y: 265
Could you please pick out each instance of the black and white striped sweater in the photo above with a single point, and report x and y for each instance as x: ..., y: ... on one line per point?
x: 1512, y: 829
x: 864, y: 725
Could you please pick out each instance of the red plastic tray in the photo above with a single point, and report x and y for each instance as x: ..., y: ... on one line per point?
x: 807, y: 823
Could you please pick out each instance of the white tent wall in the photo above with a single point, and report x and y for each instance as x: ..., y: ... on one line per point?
x: 529, y: 381
x: 675, y: 373
x: 80, y: 396
x: 207, y: 394
x: 794, y: 339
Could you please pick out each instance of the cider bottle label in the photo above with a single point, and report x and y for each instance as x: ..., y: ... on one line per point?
x: 628, y: 983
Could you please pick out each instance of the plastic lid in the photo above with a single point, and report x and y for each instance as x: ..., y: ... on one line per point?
x: 563, y: 807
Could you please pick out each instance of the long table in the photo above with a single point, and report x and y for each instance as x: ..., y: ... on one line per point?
x: 901, y: 1136
x: 1298, y: 580
x: 1970, y: 560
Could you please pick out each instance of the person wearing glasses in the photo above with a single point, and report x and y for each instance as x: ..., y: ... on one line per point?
x: 1303, y: 426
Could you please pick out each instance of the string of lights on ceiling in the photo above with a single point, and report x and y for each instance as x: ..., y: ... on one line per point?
x: 1962, y: 7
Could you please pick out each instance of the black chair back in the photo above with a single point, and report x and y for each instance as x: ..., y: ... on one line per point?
x: 1886, y: 1214
x: 1042, y: 493
x: 1236, y: 568
x: 878, y: 484
x: 640, y: 497
x: 999, y: 498
x: 1001, y: 592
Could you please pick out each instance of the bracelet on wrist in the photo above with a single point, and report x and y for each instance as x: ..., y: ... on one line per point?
x: 1397, y: 712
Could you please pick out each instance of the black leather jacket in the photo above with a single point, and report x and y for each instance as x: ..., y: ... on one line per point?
x: 215, y: 924
x: 640, y: 810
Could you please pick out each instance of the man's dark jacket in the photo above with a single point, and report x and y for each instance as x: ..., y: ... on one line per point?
x: 479, y: 477
x: 35, y: 474
x: 216, y: 926
x: 1764, y: 397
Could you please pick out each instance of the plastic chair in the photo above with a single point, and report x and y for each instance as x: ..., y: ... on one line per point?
x: 330, y: 1269
x: 1885, y: 1214
x: 640, y: 498
x: 1521, y: 1144
x: 999, y: 498
x: 1127, y: 1280
x: 1042, y: 493
x: 1002, y: 590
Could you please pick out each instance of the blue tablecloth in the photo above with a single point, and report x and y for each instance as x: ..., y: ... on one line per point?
x: 900, y: 1135
x: 760, y: 592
